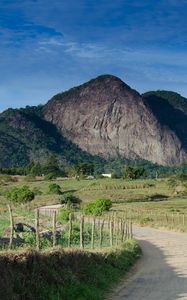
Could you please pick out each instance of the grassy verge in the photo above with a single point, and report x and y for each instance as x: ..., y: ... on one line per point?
x: 60, y: 274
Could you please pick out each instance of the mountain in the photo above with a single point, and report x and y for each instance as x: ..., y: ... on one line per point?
x: 101, y: 119
x: 107, y: 118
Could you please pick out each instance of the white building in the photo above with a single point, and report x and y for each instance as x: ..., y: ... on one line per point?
x: 107, y: 175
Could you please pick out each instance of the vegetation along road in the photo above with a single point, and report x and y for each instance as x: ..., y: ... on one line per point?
x: 162, y: 272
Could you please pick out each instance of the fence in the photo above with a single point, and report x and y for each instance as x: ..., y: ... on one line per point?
x: 172, y: 220
x: 80, y: 231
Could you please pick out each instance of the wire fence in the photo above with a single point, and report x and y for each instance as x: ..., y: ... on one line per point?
x: 79, y: 231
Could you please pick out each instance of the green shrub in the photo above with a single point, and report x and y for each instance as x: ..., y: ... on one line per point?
x: 90, y: 209
x: 21, y: 195
x: 70, y: 199
x: 54, y: 189
x: 104, y: 204
x: 98, y: 207
x: 29, y: 238
x: 63, y: 215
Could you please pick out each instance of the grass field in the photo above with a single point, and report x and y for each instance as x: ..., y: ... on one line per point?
x: 149, y: 202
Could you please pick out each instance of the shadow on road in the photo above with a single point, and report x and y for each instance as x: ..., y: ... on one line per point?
x: 156, y: 278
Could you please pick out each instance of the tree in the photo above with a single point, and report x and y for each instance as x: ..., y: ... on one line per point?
x: 29, y: 167
x: 21, y: 195
x: 85, y: 168
x: 134, y: 172
x: 55, y: 189
x: 52, y: 165
x: 70, y: 199
x: 36, y: 170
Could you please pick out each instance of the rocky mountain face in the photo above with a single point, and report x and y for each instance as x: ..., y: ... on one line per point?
x: 106, y: 117
x: 101, y: 118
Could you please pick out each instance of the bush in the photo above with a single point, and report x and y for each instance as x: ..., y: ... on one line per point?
x: 90, y: 209
x: 64, y: 214
x: 54, y: 189
x: 98, y: 207
x: 105, y: 204
x: 21, y: 195
x: 70, y: 199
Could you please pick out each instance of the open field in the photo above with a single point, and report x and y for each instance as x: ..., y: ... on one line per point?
x: 147, y: 202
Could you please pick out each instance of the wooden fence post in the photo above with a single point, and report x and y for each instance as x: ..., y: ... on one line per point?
x: 117, y: 231
x: 54, y: 228
x: 70, y: 230
x: 166, y: 219
x: 111, y: 233
x: 93, y: 230
x: 173, y: 221
x: 11, y: 226
x: 37, y: 230
x: 127, y: 230
x: 131, y: 233
x: 101, y: 234
x: 123, y: 232
x: 108, y: 223
x: 82, y: 233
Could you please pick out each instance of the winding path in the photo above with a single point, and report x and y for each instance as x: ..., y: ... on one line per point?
x: 161, y: 274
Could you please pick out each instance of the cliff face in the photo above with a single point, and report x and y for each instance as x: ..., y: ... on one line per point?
x: 107, y: 118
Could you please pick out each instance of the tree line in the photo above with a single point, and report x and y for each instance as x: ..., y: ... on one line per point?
x: 119, y: 168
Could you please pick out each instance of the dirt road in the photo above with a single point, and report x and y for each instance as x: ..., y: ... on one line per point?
x: 162, y: 272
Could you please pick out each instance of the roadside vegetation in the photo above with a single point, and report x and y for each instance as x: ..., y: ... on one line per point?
x: 61, y: 274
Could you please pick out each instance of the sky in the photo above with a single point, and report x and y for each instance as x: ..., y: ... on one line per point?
x: 47, y: 46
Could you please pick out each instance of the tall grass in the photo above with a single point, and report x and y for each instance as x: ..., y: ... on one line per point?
x: 67, y: 275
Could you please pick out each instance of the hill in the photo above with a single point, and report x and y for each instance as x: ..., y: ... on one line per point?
x: 25, y: 136
x: 171, y: 110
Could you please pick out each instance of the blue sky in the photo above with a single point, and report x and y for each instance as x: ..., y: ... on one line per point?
x: 49, y: 46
